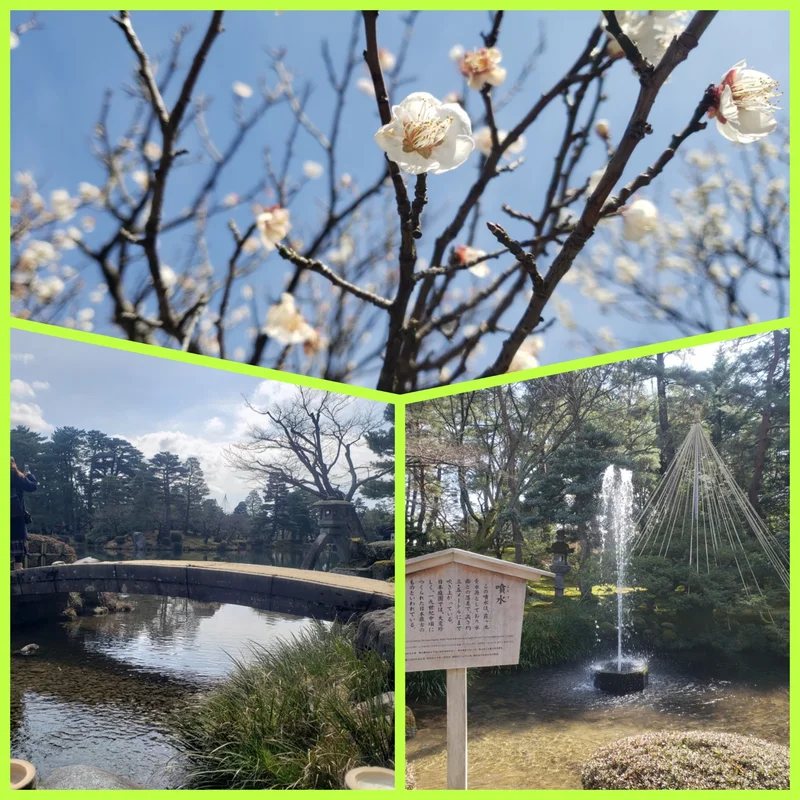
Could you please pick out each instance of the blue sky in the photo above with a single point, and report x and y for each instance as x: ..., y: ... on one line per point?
x: 57, y: 89
x: 154, y: 403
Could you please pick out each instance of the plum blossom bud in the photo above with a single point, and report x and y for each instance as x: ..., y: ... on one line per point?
x: 273, y: 226
x: 743, y: 105
x: 313, y: 169
x: 230, y: 199
x: 426, y: 135
x: 386, y: 59
x: 152, y: 151
x: 602, y: 128
x: 639, y: 219
x: 365, y: 85
x: 242, y: 90
x: 456, y: 52
x: 480, y: 67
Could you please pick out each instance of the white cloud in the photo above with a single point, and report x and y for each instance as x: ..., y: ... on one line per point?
x: 40, y: 385
x: 218, y: 475
x: 29, y: 415
x: 21, y: 389
x: 25, y: 358
x: 214, y: 425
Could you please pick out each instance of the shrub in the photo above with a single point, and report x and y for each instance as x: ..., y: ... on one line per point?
x: 79, y: 537
x: 55, y: 549
x: 120, y: 540
x: 692, y: 760
x: 176, y: 537
x: 298, y: 716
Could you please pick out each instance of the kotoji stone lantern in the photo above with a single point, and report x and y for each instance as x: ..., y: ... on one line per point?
x: 333, y: 516
x: 560, y: 564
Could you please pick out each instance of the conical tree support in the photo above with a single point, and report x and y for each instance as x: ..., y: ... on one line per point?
x: 698, y: 498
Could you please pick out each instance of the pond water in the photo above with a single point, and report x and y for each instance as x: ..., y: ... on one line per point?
x: 534, y: 729
x: 104, y: 690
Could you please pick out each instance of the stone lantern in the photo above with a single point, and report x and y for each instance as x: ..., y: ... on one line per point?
x: 560, y: 564
x: 333, y: 520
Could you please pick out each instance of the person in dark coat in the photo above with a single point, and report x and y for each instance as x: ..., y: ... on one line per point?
x: 21, y: 482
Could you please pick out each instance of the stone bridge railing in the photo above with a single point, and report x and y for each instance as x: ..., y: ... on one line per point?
x: 321, y: 595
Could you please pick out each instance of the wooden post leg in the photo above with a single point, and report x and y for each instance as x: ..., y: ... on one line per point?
x: 456, y: 728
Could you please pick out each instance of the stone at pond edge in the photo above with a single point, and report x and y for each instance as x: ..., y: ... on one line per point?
x: 376, y: 632
x: 85, y: 776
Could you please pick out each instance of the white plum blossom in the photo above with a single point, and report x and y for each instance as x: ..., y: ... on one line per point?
x: 527, y: 355
x: 340, y: 255
x: 88, y: 192
x: 230, y: 199
x: 85, y: 314
x: 247, y: 292
x: 152, y: 151
x: 286, y: 324
x: 651, y: 31
x: 273, y: 226
x: 47, y: 289
x: 62, y: 204
x: 743, y: 107
x: 626, y: 270
x: 250, y: 246
x: 594, y: 180
x: 426, y: 135
x: 386, y: 59
x: 480, y: 67
x: 365, y: 85
x: 141, y: 178
x: 465, y: 255
x: 98, y: 293
x: 242, y: 90
x: 639, y: 219
x: 483, y: 142
x: 14, y: 40
x: 313, y: 169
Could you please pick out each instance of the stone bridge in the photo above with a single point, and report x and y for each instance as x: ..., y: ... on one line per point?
x: 321, y: 595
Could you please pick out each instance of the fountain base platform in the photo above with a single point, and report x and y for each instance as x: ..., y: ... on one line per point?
x: 631, y: 677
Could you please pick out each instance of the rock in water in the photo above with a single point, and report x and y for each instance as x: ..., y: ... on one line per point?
x: 87, y: 560
x: 85, y: 776
x: 29, y: 650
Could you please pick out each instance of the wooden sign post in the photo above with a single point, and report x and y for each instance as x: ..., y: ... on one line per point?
x: 463, y: 610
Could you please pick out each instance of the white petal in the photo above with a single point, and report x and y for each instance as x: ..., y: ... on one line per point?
x: 727, y: 107
x: 460, y: 117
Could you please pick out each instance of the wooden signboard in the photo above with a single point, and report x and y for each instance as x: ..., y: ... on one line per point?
x: 463, y: 610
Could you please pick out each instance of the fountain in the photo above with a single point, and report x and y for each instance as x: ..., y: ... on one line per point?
x: 621, y: 675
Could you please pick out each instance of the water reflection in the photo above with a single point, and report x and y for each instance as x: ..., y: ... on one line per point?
x: 534, y: 730
x: 103, y: 690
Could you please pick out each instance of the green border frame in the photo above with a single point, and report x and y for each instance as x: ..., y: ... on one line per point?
x: 400, y: 402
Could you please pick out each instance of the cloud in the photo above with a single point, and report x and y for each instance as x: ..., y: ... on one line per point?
x: 25, y: 358
x: 214, y: 425
x: 21, y: 389
x: 40, y: 385
x: 218, y: 475
x: 29, y: 415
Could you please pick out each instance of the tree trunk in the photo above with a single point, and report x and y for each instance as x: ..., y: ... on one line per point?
x: 762, y: 442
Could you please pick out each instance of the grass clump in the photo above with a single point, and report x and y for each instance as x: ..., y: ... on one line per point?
x: 296, y: 717
x: 692, y: 760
